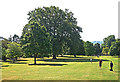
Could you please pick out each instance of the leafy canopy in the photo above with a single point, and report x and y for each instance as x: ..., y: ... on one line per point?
x: 89, y: 48
x: 35, y: 39
x: 14, y: 50
x: 61, y: 25
x: 115, y: 48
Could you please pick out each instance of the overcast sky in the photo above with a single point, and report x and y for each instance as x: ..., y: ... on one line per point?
x: 98, y: 18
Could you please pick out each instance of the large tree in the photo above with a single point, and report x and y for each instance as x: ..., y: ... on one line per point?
x: 61, y: 25
x: 35, y: 39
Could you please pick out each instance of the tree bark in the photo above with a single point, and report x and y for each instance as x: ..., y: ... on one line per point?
x: 4, y: 58
x: 35, y: 58
x: 54, y: 56
x: 75, y: 56
x: 16, y: 58
x: 13, y: 60
x: 61, y: 55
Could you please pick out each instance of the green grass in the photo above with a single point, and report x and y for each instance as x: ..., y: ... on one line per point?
x: 64, y: 68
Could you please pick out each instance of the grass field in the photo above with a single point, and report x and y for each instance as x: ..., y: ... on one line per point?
x: 64, y: 68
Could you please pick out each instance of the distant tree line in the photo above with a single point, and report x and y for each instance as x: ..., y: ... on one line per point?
x: 51, y: 31
x: 110, y: 46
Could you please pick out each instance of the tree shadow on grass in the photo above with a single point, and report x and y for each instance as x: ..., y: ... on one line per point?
x: 50, y: 64
x: 71, y: 60
x: 5, y: 65
x: 72, y: 57
x: 6, y: 61
x: 22, y: 60
x: 20, y: 63
x: 17, y: 62
x: 1, y: 67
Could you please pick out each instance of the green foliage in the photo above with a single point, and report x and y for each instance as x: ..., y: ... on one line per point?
x: 35, y: 40
x: 108, y: 41
x: 4, y: 45
x: 76, y: 48
x: 65, y: 49
x: 111, y: 46
x: 89, y: 48
x: 4, y: 54
x: 115, y: 48
x: 97, y: 48
x: 10, y: 38
x: 14, y: 50
x: 16, y: 38
x: 105, y: 50
x: 61, y: 25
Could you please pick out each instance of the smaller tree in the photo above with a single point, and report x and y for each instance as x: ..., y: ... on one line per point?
x: 89, y: 49
x: 4, y: 45
x: 13, y: 51
x: 16, y: 38
x: 10, y: 38
x: 115, y: 48
x: 77, y: 47
x: 4, y: 54
x: 107, y: 41
x: 105, y: 50
x: 97, y: 48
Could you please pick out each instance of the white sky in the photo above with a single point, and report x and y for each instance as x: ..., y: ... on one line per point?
x: 98, y: 18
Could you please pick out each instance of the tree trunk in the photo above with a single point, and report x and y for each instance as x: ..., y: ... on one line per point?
x: 75, y: 56
x: 4, y: 58
x: 16, y: 58
x: 35, y: 58
x: 54, y: 56
x: 13, y: 60
x: 61, y: 55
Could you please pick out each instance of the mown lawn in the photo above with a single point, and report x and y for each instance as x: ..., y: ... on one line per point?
x: 64, y: 68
